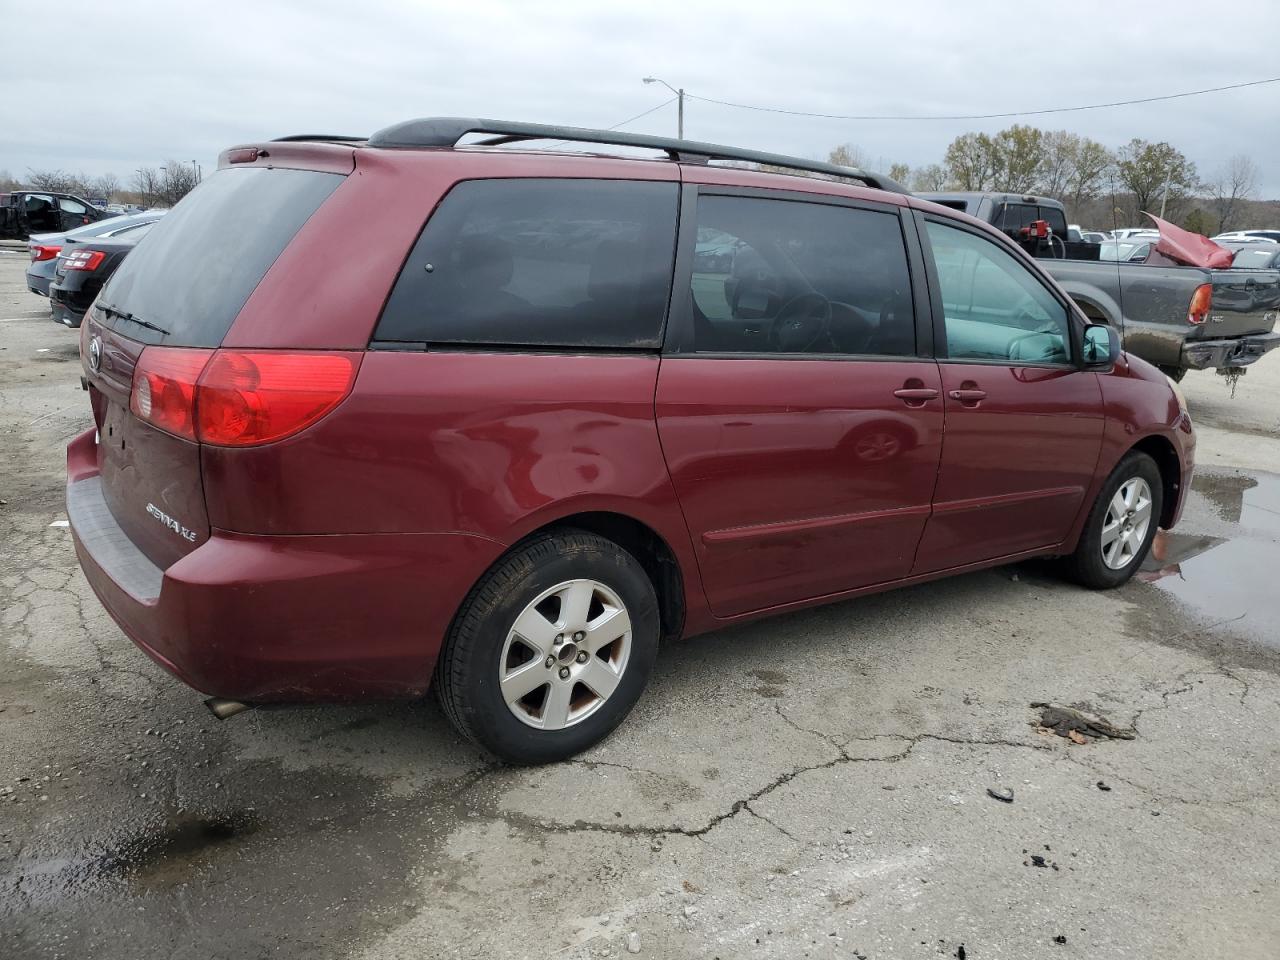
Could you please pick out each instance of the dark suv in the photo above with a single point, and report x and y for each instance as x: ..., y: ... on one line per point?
x: 500, y: 420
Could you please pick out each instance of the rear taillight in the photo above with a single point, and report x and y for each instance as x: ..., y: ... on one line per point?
x: 83, y: 260
x: 233, y: 398
x: 1201, y: 304
x: 40, y: 252
x: 249, y: 398
x: 164, y: 388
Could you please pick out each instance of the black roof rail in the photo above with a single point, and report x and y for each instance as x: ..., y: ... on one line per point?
x: 447, y: 131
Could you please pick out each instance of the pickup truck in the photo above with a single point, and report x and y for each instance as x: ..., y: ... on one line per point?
x: 24, y: 212
x: 1179, y: 318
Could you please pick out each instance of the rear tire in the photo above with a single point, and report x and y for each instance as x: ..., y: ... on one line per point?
x: 532, y: 669
x: 1121, y: 525
x: 1174, y: 373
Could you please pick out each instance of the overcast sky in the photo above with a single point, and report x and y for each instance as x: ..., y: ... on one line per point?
x: 147, y: 82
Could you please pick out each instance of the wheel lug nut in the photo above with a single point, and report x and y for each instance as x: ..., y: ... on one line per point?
x: 564, y: 673
x: 579, y: 637
x: 582, y: 656
x: 559, y: 639
x: 551, y: 662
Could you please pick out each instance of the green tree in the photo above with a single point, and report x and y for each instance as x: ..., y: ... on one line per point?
x: 1019, y: 157
x: 973, y: 162
x: 847, y: 155
x: 1092, y: 167
x: 932, y: 177
x: 1156, y: 174
x: 900, y: 172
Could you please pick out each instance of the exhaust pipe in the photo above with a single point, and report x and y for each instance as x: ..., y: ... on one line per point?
x: 225, y: 709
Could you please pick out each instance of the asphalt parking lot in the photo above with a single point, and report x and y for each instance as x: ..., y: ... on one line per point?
x: 814, y: 785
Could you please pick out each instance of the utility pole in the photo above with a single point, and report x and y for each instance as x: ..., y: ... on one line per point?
x: 679, y: 103
x: 1165, y: 198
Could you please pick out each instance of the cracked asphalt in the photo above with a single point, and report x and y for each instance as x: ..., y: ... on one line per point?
x: 810, y: 786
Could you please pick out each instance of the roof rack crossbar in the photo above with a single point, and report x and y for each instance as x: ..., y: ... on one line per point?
x: 447, y: 131
x: 334, y: 137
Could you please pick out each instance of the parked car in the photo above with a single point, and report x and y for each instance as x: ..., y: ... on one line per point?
x: 24, y: 212
x: 45, y: 247
x: 1128, y: 233
x: 1128, y: 251
x: 499, y: 436
x: 83, y: 268
x: 1273, y: 235
x: 1093, y: 236
x: 1178, y: 317
x: 1255, y: 256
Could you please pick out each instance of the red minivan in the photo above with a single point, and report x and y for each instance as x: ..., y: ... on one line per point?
x: 379, y: 414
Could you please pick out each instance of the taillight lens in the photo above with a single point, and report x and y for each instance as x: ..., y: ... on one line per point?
x: 1201, y: 303
x: 251, y: 398
x: 83, y: 260
x: 233, y: 398
x: 40, y: 252
x: 164, y: 388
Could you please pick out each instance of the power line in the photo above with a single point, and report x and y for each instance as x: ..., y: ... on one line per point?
x: 623, y: 123
x: 982, y: 116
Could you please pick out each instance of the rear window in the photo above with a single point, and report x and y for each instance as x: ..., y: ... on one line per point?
x: 542, y: 263
x: 203, y: 258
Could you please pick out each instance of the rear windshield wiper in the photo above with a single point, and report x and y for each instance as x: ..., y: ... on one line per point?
x: 132, y: 319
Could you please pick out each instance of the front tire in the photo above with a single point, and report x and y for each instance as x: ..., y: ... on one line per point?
x: 1120, y: 526
x: 551, y: 649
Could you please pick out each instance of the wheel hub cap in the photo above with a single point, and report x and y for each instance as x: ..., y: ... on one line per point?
x: 565, y: 654
x: 1125, y: 526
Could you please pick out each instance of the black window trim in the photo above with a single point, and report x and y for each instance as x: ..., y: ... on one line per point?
x: 453, y: 346
x: 1075, y: 319
x: 678, y: 343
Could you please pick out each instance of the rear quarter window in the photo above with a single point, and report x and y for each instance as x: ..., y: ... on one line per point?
x: 540, y: 263
x: 203, y: 259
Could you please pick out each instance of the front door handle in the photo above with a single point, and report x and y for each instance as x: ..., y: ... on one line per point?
x: 968, y: 395
x: 916, y: 393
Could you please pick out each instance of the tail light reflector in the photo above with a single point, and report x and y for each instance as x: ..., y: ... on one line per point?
x: 234, y: 398
x: 164, y: 388
x: 1201, y: 304
x: 250, y: 398
x: 83, y: 260
x: 41, y: 252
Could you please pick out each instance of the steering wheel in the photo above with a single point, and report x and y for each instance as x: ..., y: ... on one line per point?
x: 801, y: 323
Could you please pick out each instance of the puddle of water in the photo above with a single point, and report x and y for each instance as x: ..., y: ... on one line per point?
x: 1229, y: 578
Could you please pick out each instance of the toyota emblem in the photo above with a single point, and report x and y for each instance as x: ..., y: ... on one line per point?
x: 95, y: 354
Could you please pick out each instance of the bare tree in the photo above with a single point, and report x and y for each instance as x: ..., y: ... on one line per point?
x: 1092, y: 168
x: 8, y: 182
x: 55, y: 181
x: 103, y: 186
x: 847, y: 155
x: 178, y: 180
x: 1232, y: 189
x: 899, y: 172
x: 148, y: 183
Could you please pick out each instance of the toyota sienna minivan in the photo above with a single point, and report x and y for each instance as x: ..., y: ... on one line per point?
x: 374, y: 415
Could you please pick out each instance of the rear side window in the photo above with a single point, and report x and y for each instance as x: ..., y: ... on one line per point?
x: 203, y: 259
x: 543, y: 263
x: 792, y: 277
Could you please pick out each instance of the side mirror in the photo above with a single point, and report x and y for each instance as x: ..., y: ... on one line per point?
x: 1101, y: 346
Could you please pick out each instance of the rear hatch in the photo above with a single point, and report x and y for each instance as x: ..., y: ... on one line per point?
x: 1244, y: 302
x: 155, y: 326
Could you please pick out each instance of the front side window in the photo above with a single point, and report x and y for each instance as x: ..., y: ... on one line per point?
x: 781, y: 276
x: 537, y: 262
x: 994, y: 307
x: 71, y: 206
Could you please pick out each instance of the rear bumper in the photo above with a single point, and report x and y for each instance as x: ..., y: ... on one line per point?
x: 37, y: 284
x: 68, y: 308
x: 1236, y: 352
x: 279, y: 618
